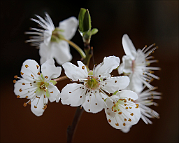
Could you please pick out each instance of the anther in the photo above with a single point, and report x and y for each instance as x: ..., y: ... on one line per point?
x: 46, y: 77
x: 14, y: 81
x: 137, y: 106
x: 124, y: 124
x: 18, y: 96
x: 35, y: 106
x: 83, y: 67
x: 22, y: 73
x: 109, y: 120
x: 119, y: 113
x: 116, y: 124
x: 37, y: 66
x: 25, y: 104
x: 26, y: 66
x: 15, y: 76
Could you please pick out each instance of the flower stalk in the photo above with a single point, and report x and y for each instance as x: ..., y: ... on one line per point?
x: 80, y: 51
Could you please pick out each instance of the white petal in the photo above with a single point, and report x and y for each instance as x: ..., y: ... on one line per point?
x: 24, y: 88
x: 54, y: 92
x: 58, y: 97
x: 135, y: 84
x: 107, y: 66
x: 93, y: 102
x: 30, y: 69
x: 127, y: 65
x: 73, y: 94
x: 127, y: 94
x: 73, y: 72
x: 112, y: 120
x: 128, y: 46
x: 49, y: 70
x: 39, y: 103
x: 126, y: 129
x: 116, y: 83
x: 45, y: 53
x: 61, y: 52
x: 121, y: 68
x: 69, y: 26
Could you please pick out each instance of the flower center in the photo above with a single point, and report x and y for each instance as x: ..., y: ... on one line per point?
x: 56, y: 36
x: 42, y: 85
x: 92, y: 82
x: 116, y: 106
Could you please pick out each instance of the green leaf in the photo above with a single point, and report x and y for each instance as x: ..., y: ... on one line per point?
x: 81, y: 18
x: 94, y: 31
x: 87, y: 21
x: 84, y: 20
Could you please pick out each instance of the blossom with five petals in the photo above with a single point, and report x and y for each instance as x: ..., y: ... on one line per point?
x: 49, y: 41
x: 121, y: 110
x: 145, y: 99
x: 38, y: 86
x: 136, y: 64
x: 94, y: 86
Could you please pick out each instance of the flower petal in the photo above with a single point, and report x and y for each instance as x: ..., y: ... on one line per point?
x: 24, y: 88
x: 38, y: 104
x: 93, y: 102
x: 128, y: 46
x: 45, y: 53
x: 135, y: 84
x: 107, y: 66
x: 54, y: 92
x: 116, y: 83
x: 126, y: 129
x: 75, y: 73
x: 127, y: 94
x: 69, y: 26
x: 61, y: 52
x: 73, y: 94
x: 49, y: 70
x: 30, y: 70
x: 126, y: 66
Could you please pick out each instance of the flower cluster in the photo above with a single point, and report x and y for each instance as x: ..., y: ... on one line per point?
x: 125, y: 98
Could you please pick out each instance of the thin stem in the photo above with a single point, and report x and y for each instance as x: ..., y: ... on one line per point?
x: 80, y: 51
x: 61, y: 78
x: 72, y: 128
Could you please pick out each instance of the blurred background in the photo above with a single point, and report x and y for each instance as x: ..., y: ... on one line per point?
x: 146, y: 22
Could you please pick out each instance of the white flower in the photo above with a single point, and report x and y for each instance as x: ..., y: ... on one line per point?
x: 38, y: 86
x: 49, y: 39
x: 145, y: 99
x: 121, y: 111
x: 94, y: 86
x: 135, y: 63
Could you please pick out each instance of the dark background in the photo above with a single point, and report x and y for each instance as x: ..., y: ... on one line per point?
x: 146, y: 22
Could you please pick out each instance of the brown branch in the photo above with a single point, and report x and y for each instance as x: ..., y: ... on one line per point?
x: 72, y: 128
